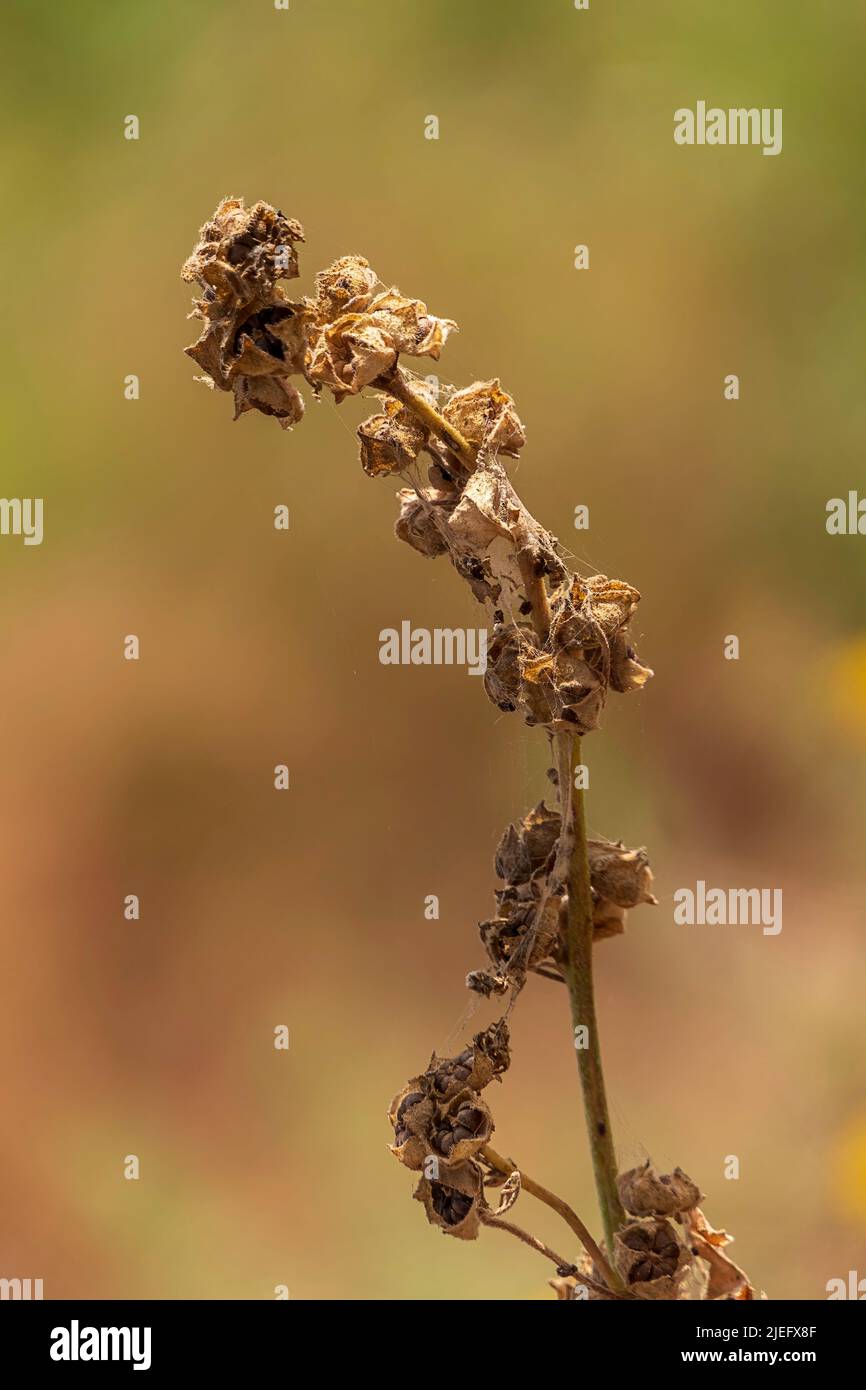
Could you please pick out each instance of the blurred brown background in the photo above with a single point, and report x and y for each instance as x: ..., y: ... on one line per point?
x: 258, y: 647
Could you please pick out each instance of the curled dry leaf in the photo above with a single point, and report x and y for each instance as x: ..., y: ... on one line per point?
x: 726, y: 1280
x: 508, y: 1193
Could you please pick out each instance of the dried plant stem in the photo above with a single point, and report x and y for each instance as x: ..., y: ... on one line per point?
x: 550, y: 1199
x: 500, y: 1224
x: 399, y: 385
x: 577, y: 966
x: 577, y: 969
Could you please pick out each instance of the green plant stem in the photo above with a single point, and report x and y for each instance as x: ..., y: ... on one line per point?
x: 577, y: 969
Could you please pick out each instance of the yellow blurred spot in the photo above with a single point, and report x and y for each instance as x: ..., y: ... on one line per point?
x: 848, y: 685
x: 849, y: 1172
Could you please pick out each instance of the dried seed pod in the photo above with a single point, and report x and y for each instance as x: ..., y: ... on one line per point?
x: 557, y: 688
x: 242, y: 252
x: 491, y: 524
x: 271, y: 395
x: 453, y: 1202
x: 577, y: 698
x: 390, y: 441
x: 539, y: 833
x: 620, y: 875
x: 511, y: 650
x: 356, y: 348
x: 408, y: 325
x: 285, y: 329
x: 251, y: 361
x: 607, y: 920
x: 651, y: 1258
x: 346, y: 286
x: 486, y: 416
x: 253, y: 339
x: 475, y: 1067
x: 421, y: 520
x: 525, y: 932
x: 512, y: 858
x: 644, y: 1192
x: 411, y: 1115
x: 590, y: 620
x: 464, y: 1126
x: 494, y: 1043
x: 349, y: 354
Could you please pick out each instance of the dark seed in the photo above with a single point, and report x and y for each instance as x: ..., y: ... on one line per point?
x: 406, y: 1104
x: 636, y: 1240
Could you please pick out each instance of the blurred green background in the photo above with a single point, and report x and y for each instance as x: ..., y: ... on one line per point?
x: 257, y: 647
